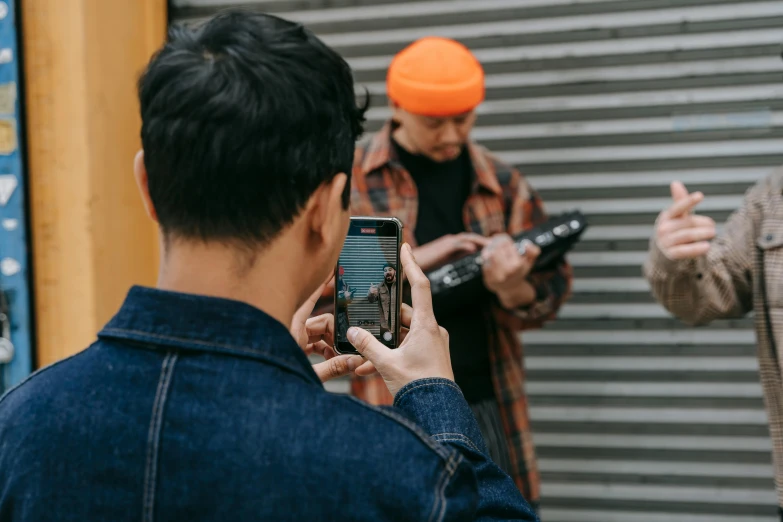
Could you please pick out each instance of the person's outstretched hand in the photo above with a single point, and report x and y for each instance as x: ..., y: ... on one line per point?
x: 425, y: 350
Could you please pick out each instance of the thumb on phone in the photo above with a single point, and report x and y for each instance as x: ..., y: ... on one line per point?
x: 367, y: 345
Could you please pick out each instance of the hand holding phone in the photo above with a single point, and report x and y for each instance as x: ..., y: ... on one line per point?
x: 424, y: 353
x: 368, y: 278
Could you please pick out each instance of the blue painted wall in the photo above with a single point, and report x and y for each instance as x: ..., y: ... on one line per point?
x: 14, y: 252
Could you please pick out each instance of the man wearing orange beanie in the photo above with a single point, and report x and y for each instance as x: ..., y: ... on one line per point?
x: 453, y: 198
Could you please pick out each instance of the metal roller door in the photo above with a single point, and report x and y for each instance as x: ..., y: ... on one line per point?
x: 601, y: 103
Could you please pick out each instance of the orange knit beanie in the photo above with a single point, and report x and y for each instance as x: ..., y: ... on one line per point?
x: 435, y: 77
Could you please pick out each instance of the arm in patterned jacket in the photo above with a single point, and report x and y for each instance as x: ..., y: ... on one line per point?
x: 718, y: 285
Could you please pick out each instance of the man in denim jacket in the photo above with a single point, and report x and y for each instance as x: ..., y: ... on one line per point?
x: 197, y: 401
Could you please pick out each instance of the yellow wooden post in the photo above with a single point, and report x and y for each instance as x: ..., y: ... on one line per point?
x: 91, y: 239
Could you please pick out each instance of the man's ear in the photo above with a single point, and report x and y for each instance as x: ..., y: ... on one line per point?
x: 140, y: 173
x: 326, y: 207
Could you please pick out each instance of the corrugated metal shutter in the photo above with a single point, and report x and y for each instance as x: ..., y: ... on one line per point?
x: 601, y: 103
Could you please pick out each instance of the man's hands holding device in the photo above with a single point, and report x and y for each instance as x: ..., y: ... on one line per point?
x: 505, y: 271
x: 423, y: 351
x: 316, y: 335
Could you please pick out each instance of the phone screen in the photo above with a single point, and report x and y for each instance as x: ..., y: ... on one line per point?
x: 368, y: 282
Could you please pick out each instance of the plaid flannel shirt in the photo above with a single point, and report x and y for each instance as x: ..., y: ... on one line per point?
x: 500, y: 201
x: 743, y: 271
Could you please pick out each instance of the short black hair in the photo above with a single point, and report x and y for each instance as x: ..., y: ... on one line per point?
x: 243, y: 118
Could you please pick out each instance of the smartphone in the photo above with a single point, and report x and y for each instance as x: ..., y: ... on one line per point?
x: 368, y: 282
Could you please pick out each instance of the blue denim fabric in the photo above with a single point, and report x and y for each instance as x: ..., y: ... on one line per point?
x: 196, y: 408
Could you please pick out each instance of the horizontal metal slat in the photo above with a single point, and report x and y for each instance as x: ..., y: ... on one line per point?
x: 635, y: 467
x: 597, y: 22
x: 589, y: 259
x: 749, y: 175
x: 671, y: 351
x: 647, y: 415
x: 655, y: 493
x: 680, y: 124
x: 643, y: 364
x: 667, y: 151
x: 642, y: 389
x: 610, y: 284
x: 652, y: 442
x: 612, y: 311
x: 687, y: 336
x: 590, y: 515
x: 751, y: 119
x: 639, y: 205
x: 619, y: 232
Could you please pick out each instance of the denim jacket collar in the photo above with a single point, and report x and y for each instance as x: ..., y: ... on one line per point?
x: 162, y: 319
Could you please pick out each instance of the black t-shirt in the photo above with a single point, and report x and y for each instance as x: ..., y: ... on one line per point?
x: 443, y: 190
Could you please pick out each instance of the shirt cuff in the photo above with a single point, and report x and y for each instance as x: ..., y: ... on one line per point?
x: 438, y: 406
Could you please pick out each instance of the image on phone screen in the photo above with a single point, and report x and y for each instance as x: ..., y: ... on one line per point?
x: 366, y: 282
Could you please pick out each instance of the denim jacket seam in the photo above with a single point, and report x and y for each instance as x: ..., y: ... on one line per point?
x: 440, y: 488
x: 223, y: 348
x: 413, y: 427
x: 421, y: 385
x: 456, y: 437
x: 153, y: 437
x: 206, y: 344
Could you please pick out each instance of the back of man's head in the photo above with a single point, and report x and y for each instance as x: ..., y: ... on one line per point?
x: 243, y: 119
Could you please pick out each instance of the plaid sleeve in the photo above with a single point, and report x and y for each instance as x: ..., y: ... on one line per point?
x: 525, y: 209
x: 718, y: 285
x: 360, y: 200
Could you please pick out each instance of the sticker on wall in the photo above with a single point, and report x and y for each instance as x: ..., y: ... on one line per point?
x: 6, y: 55
x: 8, y: 98
x: 7, y: 136
x: 10, y: 224
x: 3, y: 10
x: 8, y: 184
x: 9, y: 267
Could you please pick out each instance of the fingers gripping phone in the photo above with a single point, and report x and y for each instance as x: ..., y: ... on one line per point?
x: 368, y: 282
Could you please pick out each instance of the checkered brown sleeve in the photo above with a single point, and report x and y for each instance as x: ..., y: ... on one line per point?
x: 718, y: 285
